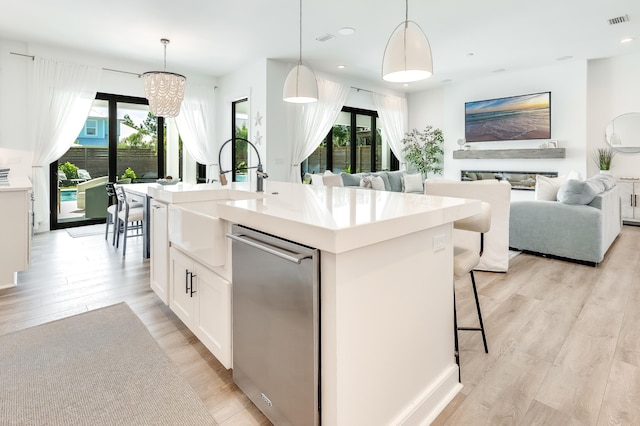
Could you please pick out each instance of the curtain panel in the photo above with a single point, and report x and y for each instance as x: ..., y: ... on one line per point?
x: 60, y: 99
x: 392, y: 111
x: 313, y: 121
x: 196, y: 124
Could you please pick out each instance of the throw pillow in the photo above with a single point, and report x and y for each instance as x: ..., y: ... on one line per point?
x: 385, y: 179
x: 316, y: 179
x: 350, y: 180
x: 547, y: 188
x: 578, y: 191
x: 395, y: 180
x: 332, y: 180
x: 412, y: 182
x: 372, y: 182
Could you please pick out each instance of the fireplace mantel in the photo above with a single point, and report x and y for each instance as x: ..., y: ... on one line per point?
x: 509, y: 153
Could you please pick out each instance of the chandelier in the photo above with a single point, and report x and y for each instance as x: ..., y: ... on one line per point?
x: 164, y: 90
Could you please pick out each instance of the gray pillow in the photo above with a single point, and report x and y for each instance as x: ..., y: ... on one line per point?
x: 578, y: 191
x: 350, y: 180
x: 395, y: 180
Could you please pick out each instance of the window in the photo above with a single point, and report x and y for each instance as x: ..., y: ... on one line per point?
x: 353, y: 145
x: 91, y: 128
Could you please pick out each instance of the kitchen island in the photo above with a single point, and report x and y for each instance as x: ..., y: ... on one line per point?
x: 386, y: 267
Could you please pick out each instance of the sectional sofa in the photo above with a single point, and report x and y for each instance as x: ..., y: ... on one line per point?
x: 580, y: 224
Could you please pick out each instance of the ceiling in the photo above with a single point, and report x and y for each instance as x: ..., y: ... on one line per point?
x: 469, y: 38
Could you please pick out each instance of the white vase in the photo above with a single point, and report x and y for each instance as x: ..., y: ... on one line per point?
x: 605, y: 172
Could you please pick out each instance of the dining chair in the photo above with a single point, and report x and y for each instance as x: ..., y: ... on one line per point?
x: 129, y: 219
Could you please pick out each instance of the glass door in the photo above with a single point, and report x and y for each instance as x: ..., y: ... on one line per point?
x: 240, y: 114
x: 118, y: 142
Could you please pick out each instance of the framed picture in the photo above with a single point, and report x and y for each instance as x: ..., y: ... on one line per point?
x: 523, y: 117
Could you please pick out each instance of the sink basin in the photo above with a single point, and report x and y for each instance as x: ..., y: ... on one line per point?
x: 196, y: 229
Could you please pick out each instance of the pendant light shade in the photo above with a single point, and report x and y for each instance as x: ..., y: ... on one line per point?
x: 300, y: 86
x: 164, y: 90
x: 407, y: 56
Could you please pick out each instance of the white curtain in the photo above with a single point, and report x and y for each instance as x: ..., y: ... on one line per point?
x: 60, y: 99
x: 392, y: 111
x: 313, y: 121
x: 196, y: 123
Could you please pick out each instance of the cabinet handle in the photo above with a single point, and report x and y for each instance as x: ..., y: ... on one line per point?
x: 635, y: 200
x: 186, y: 280
x: 191, y: 289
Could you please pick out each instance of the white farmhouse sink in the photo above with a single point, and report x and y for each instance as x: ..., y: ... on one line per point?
x: 196, y: 229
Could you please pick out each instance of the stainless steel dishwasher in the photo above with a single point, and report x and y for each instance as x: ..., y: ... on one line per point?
x: 276, y: 308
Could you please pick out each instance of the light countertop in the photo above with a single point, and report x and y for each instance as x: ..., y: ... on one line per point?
x: 342, y: 219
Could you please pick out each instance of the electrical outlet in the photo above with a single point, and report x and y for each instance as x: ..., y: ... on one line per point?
x: 439, y: 242
x: 266, y: 400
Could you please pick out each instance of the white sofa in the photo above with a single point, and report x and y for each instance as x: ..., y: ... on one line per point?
x: 495, y: 257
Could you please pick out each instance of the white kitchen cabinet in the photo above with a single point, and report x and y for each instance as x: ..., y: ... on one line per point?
x: 202, y: 300
x: 15, y: 228
x: 630, y: 197
x: 159, y: 238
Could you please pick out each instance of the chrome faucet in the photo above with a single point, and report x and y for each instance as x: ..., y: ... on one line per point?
x: 260, y: 174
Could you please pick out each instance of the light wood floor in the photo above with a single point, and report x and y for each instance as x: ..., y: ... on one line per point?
x: 564, y: 339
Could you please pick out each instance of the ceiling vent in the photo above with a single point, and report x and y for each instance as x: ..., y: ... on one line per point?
x: 619, y: 20
x: 324, y: 37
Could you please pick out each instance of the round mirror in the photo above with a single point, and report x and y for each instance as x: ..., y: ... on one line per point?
x: 623, y: 132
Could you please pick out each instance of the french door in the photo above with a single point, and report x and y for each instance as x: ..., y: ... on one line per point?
x: 120, y: 141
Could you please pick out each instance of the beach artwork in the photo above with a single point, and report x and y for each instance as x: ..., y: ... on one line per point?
x: 522, y: 117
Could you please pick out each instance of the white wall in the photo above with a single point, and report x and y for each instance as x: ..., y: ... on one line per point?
x: 567, y: 82
x: 614, y: 89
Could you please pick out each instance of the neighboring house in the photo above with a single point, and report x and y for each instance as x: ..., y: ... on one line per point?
x: 96, y: 131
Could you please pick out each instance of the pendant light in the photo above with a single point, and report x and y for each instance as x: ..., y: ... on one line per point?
x: 164, y: 90
x: 300, y: 85
x: 407, y: 56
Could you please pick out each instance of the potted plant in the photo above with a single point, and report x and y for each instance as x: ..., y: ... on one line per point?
x: 603, y: 158
x: 423, y: 150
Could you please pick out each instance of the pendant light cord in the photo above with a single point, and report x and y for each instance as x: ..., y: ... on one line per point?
x: 300, y: 44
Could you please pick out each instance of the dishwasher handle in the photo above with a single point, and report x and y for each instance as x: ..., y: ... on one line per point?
x: 269, y: 248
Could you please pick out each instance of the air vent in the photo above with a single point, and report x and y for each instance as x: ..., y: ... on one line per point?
x: 325, y: 37
x: 619, y: 20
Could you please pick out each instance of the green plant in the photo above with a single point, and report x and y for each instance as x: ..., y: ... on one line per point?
x: 423, y: 150
x: 128, y: 174
x: 604, y: 157
x: 69, y: 169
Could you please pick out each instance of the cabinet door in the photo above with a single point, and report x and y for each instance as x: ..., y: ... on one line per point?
x: 213, y: 326
x: 159, y: 250
x: 182, y: 301
x: 626, y: 196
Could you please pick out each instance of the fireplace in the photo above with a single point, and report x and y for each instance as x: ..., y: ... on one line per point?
x: 518, y: 180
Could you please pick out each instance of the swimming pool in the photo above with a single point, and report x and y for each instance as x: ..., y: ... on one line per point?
x: 68, y: 195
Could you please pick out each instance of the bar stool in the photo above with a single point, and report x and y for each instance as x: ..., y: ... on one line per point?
x: 112, y: 212
x: 464, y: 261
x: 129, y: 218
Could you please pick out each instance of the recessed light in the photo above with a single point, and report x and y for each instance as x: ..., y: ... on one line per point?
x: 627, y: 40
x: 564, y: 58
x: 499, y: 70
x: 342, y: 66
x: 406, y: 85
x: 346, y: 31
x: 448, y: 80
x: 470, y: 54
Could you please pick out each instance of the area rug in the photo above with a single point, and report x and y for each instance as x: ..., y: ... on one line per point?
x: 97, y: 368
x: 86, y: 231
